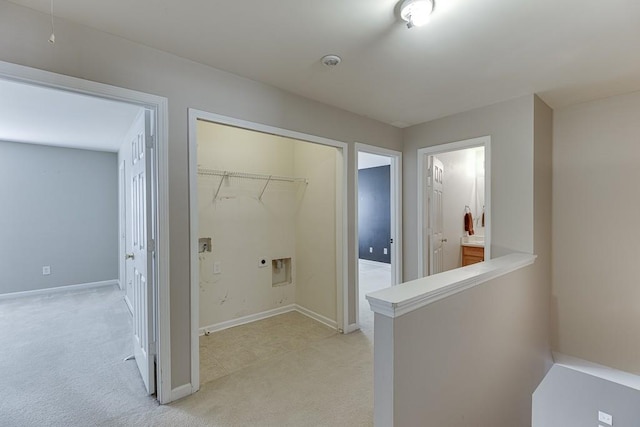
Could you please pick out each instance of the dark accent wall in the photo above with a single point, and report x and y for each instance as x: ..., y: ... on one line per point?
x: 374, y: 213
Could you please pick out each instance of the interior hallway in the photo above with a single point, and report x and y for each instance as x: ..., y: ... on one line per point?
x: 64, y: 367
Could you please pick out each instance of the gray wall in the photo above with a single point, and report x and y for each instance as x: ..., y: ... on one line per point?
x: 89, y: 54
x: 596, y: 242
x: 570, y: 398
x: 59, y: 208
x: 510, y: 125
x: 467, y: 360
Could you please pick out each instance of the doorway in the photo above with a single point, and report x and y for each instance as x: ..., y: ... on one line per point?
x: 267, y: 226
x: 454, y: 205
x: 156, y: 307
x: 378, y: 225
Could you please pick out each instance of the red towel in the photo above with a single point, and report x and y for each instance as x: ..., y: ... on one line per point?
x: 468, y: 223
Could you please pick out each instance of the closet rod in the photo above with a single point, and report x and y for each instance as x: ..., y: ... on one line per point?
x: 213, y: 172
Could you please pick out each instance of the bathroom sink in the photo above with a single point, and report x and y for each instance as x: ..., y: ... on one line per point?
x: 472, y: 241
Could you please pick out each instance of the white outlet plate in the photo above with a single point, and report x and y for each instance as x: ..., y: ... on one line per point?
x: 370, y: 250
x: 385, y: 251
x: 603, y: 417
x: 216, y: 268
x: 263, y: 262
x: 46, y: 270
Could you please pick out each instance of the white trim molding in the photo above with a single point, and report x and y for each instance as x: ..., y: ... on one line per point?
x: 317, y: 317
x: 341, y: 225
x: 59, y: 289
x: 407, y: 297
x: 395, y: 220
x: 159, y: 105
x: 181, y: 392
x: 205, y: 330
x: 423, y: 153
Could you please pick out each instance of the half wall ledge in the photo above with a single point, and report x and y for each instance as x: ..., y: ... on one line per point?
x: 409, y: 296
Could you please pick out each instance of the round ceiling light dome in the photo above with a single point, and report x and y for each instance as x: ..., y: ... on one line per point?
x: 416, y: 12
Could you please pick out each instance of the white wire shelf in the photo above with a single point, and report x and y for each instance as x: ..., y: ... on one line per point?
x: 244, y: 175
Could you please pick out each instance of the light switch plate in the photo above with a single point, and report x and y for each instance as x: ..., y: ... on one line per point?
x: 46, y: 270
x: 603, y: 417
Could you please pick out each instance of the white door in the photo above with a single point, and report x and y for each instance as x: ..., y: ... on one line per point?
x: 435, y: 230
x: 141, y: 257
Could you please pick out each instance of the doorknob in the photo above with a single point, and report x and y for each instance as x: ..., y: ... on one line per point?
x: 128, y: 256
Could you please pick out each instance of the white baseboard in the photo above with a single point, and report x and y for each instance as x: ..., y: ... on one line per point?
x: 352, y: 328
x: 181, y: 392
x: 246, y: 319
x: 59, y: 289
x: 266, y: 314
x: 317, y: 317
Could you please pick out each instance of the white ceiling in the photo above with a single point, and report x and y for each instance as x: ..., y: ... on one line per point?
x: 39, y: 115
x: 472, y: 53
x: 368, y: 160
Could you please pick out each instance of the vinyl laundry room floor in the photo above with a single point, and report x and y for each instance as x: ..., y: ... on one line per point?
x: 299, y: 372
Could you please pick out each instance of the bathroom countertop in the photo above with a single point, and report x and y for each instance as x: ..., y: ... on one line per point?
x: 473, y: 241
x: 473, y: 244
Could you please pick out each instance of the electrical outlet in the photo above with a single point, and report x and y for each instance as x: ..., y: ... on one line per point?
x: 216, y: 268
x: 46, y: 270
x: 385, y: 251
x: 605, y: 418
x: 370, y: 250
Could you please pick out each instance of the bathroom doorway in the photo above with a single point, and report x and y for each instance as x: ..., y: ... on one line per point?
x: 378, y: 225
x: 454, y: 205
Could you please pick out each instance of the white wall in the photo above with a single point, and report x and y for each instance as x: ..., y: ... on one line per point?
x: 316, y: 223
x: 59, y: 208
x: 242, y: 227
x: 596, y: 240
x: 510, y: 125
x: 90, y: 54
x: 293, y: 220
x: 463, y: 185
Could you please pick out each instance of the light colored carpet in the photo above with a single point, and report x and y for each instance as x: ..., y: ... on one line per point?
x: 61, y: 364
x: 61, y: 360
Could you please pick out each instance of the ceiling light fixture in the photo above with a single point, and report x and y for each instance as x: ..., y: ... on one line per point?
x: 416, y: 12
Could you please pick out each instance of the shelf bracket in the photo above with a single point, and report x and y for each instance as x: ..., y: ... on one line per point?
x: 265, y: 187
x: 224, y: 176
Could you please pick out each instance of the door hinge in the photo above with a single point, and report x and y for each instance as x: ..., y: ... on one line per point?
x: 151, y: 141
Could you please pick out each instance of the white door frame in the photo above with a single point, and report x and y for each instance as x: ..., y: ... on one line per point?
x: 341, y: 211
x: 159, y: 105
x: 395, y: 219
x: 423, y: 153
x: 122, y: 225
